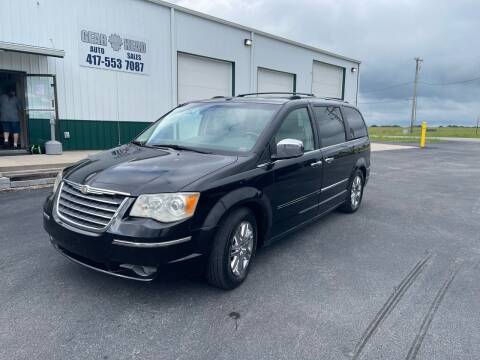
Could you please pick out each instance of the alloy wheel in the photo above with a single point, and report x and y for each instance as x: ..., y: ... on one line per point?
x: 241, y: 248
x: 356, y: 192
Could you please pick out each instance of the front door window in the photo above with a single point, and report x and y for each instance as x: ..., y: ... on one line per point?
x: 297, y: 126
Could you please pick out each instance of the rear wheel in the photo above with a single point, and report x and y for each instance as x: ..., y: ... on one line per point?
x: 355, y: 193
x: 233, y: 250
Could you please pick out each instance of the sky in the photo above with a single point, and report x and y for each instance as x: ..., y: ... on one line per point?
x: 386, y: 35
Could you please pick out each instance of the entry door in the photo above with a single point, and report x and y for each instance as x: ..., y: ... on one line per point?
x: 297, y: 181
x: 41, y: 100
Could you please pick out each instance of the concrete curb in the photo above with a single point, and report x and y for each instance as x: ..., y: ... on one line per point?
x: 4, y: 183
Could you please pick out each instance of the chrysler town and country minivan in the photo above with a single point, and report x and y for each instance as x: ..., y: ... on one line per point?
x: 212, y: 180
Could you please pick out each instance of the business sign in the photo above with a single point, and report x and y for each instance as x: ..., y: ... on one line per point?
x: 113, y: 51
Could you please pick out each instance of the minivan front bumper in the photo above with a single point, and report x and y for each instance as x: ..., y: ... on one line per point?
x: 133, y: 243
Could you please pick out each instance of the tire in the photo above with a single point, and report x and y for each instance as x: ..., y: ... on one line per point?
x: 355, y: 193
x: 232, y: 241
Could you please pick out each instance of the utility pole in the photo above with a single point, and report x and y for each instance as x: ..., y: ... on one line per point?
x: 414, y: 100
x: 478, y: 122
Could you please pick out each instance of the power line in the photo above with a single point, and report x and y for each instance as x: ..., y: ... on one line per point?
x: 456, y: 82
x: 452, y: 82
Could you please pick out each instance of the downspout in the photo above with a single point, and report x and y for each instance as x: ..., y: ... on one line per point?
x: 252, y: 64
x: 358, y: 84
x: 173, y: 53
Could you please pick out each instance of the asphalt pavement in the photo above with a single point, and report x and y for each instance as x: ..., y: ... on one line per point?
x: 399, y: 279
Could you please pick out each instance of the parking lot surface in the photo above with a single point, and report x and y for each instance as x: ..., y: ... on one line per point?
x: 399, y: 279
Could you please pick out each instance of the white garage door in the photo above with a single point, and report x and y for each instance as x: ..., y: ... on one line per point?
x: 202, y: 78
x: 273, y: 81
x: 327, y: 80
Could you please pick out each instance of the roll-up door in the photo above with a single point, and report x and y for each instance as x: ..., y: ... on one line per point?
x: 327, y: 80
x: 275, y: 81
x: 202, y: 78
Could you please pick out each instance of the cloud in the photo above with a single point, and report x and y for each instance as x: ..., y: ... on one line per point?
x: 385, y: 35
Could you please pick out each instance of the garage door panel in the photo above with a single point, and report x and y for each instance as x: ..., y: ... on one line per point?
x: 203, y: 78
x: 327, y: 80
x: 274, y: 81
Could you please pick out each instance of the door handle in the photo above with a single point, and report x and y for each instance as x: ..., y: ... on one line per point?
x: 329, y: 160
x: 317, y: 163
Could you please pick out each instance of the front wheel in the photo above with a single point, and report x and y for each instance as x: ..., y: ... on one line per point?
x: 233, y: 250
x: 355, y: 193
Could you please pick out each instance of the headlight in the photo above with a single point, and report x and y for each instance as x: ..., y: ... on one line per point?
x: 165, y: 207
x: 58, y: 180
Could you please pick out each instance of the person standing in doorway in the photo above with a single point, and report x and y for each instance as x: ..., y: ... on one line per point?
x: 10, y: 110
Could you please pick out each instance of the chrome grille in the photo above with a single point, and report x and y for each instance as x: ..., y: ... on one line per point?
x: 91, y: 208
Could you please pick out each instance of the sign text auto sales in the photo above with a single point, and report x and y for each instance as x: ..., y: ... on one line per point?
x: 113, y: 52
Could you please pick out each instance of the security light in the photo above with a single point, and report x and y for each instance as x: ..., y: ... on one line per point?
x: 354, y: 69
x: 248, y: 42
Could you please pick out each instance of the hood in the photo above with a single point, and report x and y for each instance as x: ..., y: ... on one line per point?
x: 141, y: 170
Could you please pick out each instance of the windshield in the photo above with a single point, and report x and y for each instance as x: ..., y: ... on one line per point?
x: 211, y: 126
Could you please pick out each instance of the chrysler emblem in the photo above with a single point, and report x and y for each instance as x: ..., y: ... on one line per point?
x: 84, y: 189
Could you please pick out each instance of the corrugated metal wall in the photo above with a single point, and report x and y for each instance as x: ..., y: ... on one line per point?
x: 86, y: 93
x: 103, y: 95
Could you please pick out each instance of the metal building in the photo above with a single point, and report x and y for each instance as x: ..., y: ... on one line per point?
x: 104, y: 69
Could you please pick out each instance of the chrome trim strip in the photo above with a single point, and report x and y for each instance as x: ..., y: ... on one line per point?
x: 46, y: 215
x: 320, y: 149
x: 147, y: 279
x: 265, y: 164
x: 94, y: 190
x: 304, y: 223
x: 343, y: 143
x: 333, y: 185
x: 323, y: 202
x: 301, y: 198
x: 150, y: 245
x: 188, y: 257
x: 311, y: 151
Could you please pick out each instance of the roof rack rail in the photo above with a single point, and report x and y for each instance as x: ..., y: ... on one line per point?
x: 277, y: 93
x: 335, y: 99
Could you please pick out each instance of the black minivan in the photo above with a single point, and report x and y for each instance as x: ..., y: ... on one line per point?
x: 212, y: 180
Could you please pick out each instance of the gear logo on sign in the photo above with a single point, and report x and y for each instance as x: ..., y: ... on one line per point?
x: 116, y: 41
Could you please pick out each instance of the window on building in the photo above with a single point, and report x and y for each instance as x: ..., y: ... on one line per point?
x: 355, y: 122
x: 297, y: 126
x: 330, y: 125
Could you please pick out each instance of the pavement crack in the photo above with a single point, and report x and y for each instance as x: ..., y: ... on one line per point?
x: 427, y: 320
x: 389, y: 305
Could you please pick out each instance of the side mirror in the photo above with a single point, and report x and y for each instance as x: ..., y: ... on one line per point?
x: 289, y: 148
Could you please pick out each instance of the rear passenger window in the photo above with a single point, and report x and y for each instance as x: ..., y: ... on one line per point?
x: 356, y: 123
x: 330, y: 125
x: 297, y: 126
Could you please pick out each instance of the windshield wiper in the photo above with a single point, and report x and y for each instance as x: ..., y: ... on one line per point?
x: 139, y: 143
x: 179, y: 147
